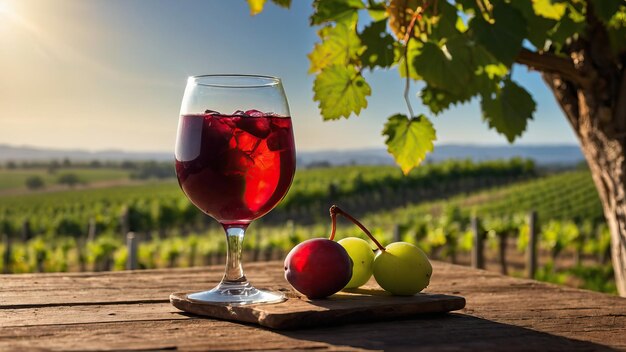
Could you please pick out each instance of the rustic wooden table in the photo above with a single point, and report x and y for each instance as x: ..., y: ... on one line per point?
x: 130, y: 311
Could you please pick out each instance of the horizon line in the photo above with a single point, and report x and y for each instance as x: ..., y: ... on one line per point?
x: 348, y: 149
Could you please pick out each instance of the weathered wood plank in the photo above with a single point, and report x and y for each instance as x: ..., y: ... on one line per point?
x: 87, y: 314
x: 436, y: 333
x: 156, y: 285
x: 106, y: 288
x: 188, y: 334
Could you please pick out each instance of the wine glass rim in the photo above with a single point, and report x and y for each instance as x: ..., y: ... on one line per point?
x: 238, y: 80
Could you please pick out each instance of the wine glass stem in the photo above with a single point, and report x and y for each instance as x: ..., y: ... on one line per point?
x: 234, y: 241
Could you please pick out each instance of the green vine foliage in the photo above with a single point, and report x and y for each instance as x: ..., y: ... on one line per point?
x: 459, y: 50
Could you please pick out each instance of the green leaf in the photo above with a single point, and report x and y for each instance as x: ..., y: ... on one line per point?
x: 442, y: 70
x: 283, y: 3
x: 256, y: 6
x: 549, y: 8
x: 340, y: 44
x: 469, y: 6
x: 564, y: 29
x: 377, y: 10
x: 335, y: 10
x: 537, y: 27
x: 434, y: 66
x: 605, y: 9
x: 462, y: 69
x: 378, y: 46
x: 408, y: 140
x: 438, y: 100
x: 504, y: 37
x: 509, y: 111
x: 340, y: 91
x: 444, y: 24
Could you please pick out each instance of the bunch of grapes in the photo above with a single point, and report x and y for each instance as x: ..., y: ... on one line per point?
x: 320, y: 267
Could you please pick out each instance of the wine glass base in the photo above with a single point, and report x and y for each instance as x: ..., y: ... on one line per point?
x: 236, y: 294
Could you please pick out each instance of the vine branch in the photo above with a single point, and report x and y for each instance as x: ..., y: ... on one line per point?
x: 550, y: 63
x: 407, y: 84
x: 407, y: 38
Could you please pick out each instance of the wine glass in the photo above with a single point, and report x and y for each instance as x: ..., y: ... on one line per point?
x: 235, y: 160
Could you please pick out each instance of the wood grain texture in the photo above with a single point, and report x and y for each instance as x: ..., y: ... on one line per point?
x: 341, y: 308
x: 130, y: 311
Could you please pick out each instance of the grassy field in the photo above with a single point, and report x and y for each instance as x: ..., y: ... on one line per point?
x: 16, y: 179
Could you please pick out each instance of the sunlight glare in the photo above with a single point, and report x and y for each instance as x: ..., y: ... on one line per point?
x: 7, y: 11
x: 5, y: 8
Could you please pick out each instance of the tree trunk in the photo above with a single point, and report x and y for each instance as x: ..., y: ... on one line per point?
x: 595, y: 106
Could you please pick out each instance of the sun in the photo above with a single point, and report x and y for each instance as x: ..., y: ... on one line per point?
x: 5, y: 8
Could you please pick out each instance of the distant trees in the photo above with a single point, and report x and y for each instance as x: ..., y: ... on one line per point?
x: 152, y: 169
x: 35, y: 182
x: 69, y: 179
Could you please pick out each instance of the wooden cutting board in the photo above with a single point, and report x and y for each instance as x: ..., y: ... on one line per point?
x: 297, y: 311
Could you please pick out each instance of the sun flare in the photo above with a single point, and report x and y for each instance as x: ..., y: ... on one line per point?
x: 5, y: 8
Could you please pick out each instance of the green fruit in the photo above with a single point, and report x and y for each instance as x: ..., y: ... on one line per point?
x: 363, y: 258
x: 402, y: 269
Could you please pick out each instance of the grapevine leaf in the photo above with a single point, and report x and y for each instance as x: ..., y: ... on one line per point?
x: 472, y: 70
x: 283, y: 3
x: 340, y: 91
x: 442, y: 70
x: 459, y: 70
x: 605, y: 9
x: 470, y: 6
x: 256, y: 6
x: 564, y: 29
x: 445, y: 22
x: 537, y: 26
x: 549, y: 9
x: 504, y: 37
x: 460, y: 25
x: 509, y: 111
x: 377, y: 10
x: 378, y: 46
x: 480, y: 70
x: 408, y: 140
x: 335, y: 10
x: 434, y: 66
x: 339, y: 45
x: 438, y: 100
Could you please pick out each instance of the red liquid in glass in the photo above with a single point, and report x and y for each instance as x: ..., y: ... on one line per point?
x: 235, y: 168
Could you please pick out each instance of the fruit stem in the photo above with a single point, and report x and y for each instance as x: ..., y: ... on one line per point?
x: 334, y: 210
x: 333, y: 222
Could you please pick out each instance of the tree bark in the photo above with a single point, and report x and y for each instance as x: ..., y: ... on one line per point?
x: 597, y: 113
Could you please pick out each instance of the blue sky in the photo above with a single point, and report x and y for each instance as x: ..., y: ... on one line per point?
x: 100, y: 74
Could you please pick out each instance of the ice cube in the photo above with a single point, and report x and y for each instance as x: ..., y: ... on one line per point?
x: 235, y: 162
x: 255, y: 113
x: 264, y: 158
x: 278, y: 140
x: 246, y: 141
x: 239, y: 113
x: 258, y: 127
x: 222, y: 126
x: 211, y: 112
x: 228, y: 121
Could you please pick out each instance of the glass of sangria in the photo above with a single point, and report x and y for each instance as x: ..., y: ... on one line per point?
x: 235, y: 160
